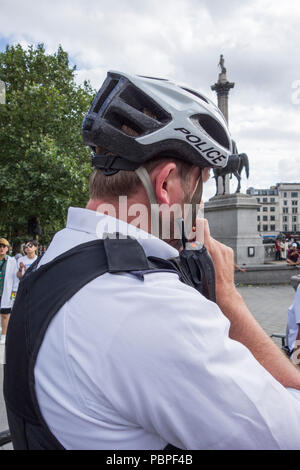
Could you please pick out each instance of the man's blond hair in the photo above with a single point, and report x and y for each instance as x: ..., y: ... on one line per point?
x: 126, y: 183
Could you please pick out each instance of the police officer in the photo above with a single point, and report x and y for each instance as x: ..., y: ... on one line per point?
x: 129, y: 354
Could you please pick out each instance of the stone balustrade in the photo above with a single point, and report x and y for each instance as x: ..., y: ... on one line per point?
x: 269, y: 249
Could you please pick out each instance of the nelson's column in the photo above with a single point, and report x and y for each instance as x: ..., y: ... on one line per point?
x: 222, y: 88
x: 233, y: 217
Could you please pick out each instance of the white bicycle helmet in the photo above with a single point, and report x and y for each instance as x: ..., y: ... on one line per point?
x: 167, y: 119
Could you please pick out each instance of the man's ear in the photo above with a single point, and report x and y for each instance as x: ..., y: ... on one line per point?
x: 163, y: 181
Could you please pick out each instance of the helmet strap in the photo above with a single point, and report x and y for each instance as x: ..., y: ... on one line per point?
x: 189, y: 220
x: 156, y: 226
x: 196, y: 199
x: 156, y: 223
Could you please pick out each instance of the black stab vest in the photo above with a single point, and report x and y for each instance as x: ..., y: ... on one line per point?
x: 43, y: 291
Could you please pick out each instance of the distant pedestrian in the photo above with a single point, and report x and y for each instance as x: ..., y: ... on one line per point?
x: 8, y: 285
x: 293, y: 257
x: 277, y: 249
x: 17, y: 251
x: 24, y: 262
x: 34, y: 227
x: 42, y: 250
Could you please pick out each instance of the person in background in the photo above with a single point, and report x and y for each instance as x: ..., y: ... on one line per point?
x: 41, y: 250
x: 8, y: 285
x: 24, y: 262
x: 34, y: 227
x: 17, y: 251
x: 277, y: 249
x: 293, y: 257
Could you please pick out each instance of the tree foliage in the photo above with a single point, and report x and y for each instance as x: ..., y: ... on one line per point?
x: 44, y: 165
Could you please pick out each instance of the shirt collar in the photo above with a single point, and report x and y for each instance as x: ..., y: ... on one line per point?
x: 98, y: 224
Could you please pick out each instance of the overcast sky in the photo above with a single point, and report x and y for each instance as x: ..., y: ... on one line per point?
x: 182, y: 40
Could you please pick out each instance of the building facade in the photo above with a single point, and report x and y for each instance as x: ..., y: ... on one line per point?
x: 279, y: 209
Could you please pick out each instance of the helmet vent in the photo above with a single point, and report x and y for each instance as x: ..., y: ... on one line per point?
x: 104, y: 95
x: 154, y: 78
x: 213, y: 128
x: 124, y: 124
x: 140, y: 101
x: 195, y: 93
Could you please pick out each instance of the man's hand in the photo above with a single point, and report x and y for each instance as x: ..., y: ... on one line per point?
x: 20, y: 271
x: 223, y: 259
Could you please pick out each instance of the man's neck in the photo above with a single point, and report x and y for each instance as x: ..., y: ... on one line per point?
x: 31, y: 255
x: 122, y: 211
x: 144, y: 223
x: 2, y: 257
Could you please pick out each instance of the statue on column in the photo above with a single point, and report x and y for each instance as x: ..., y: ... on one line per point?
x: 238, y: 161
x: 221, y: 64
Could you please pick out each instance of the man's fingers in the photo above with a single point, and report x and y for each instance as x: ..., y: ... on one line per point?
x: 202, y: 231
x: 216, y: 248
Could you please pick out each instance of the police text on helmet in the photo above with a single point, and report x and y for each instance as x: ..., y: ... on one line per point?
x: 212, y: 153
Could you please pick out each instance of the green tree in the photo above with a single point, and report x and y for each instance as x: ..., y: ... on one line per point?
x: 44, y: 166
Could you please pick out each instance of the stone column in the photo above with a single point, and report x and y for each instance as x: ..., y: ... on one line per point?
x: 232, y: 218
x: 222, y: 88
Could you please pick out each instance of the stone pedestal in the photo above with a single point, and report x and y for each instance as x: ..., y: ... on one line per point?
x: 233, y: 221
x: 295, y: 281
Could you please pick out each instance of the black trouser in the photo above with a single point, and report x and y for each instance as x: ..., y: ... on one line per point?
x: 277, y: 256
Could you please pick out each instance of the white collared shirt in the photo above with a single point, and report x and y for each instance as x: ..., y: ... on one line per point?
x: 131, y: 364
